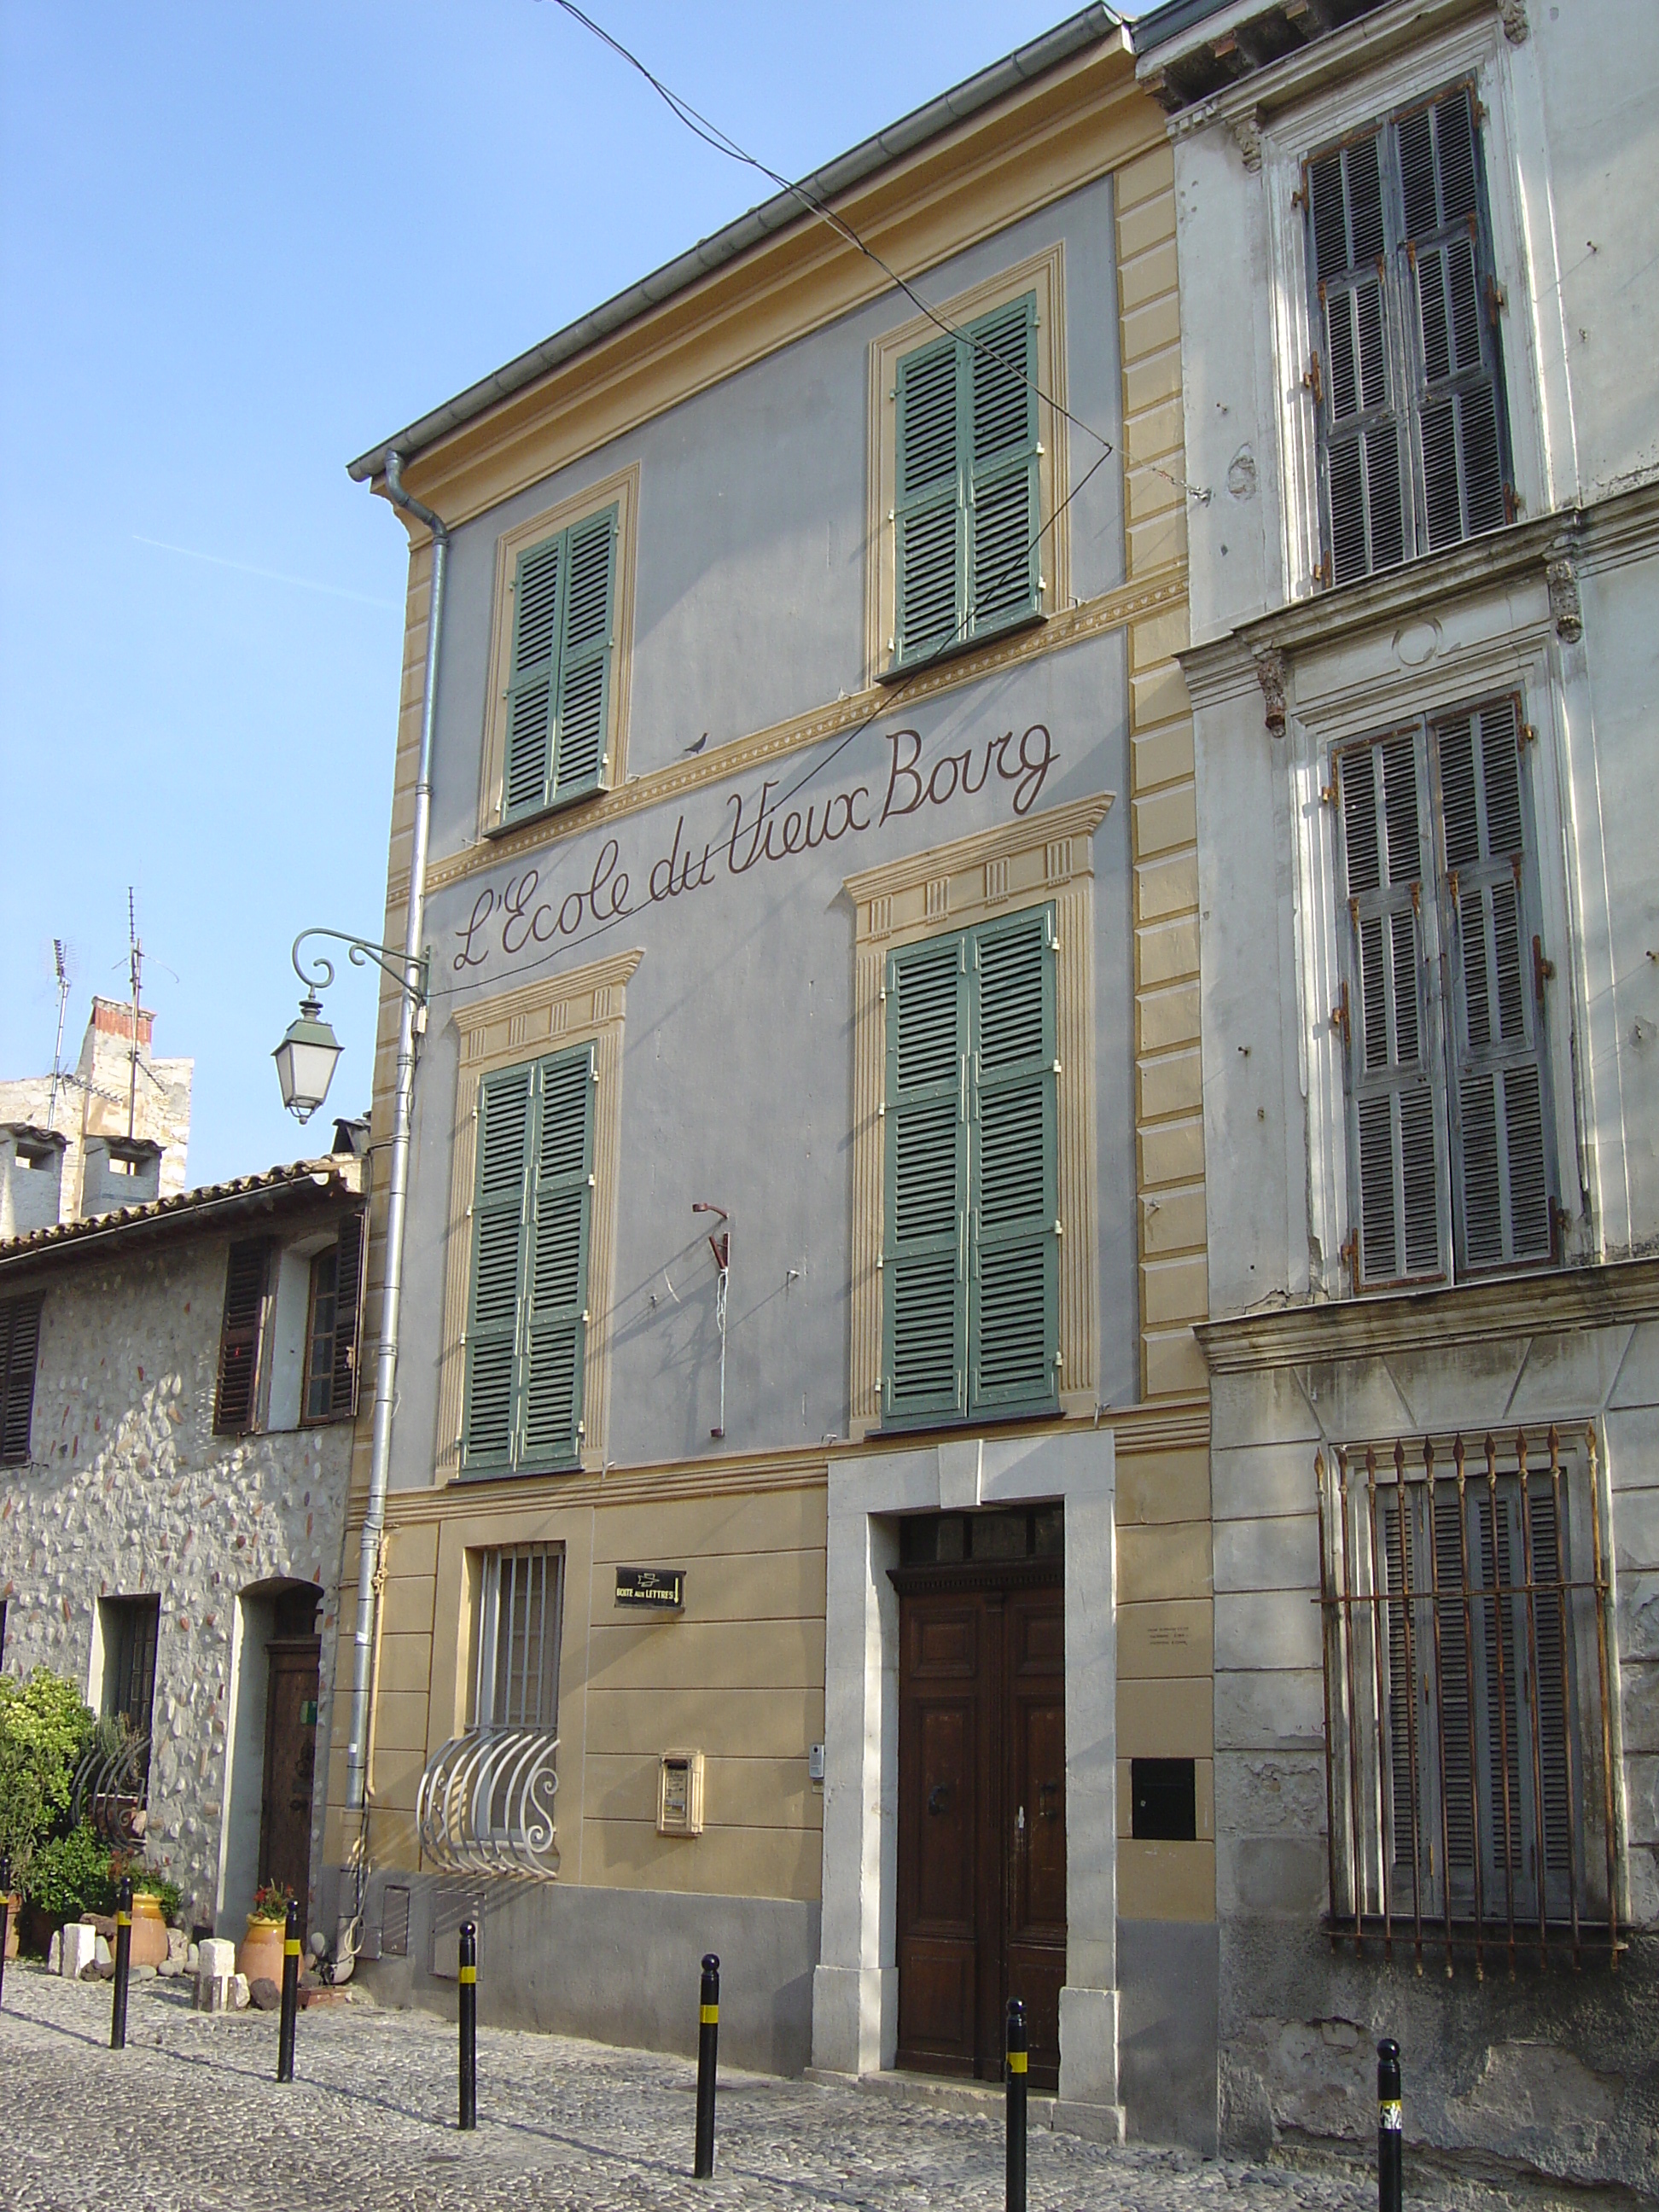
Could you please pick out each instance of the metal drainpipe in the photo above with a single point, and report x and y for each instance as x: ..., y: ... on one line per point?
x: 411, y: 1023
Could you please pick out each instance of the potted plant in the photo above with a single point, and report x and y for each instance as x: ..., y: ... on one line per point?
x: 154, y: 1901
x: 259, y: 1954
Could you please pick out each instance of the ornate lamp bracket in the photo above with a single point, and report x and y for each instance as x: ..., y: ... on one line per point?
x: 316, y: 971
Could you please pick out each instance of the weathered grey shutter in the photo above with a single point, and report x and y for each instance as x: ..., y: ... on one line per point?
x: 240, y: 1328
x: 1398, y: 1135
x: 930, y: 523
x: 1014, y: 1204
x: 924, y: 1248
x: 584, y: 680
x: 1003, y: 555
x: 530, y: 697
x: 1360, y: 417
x: 500, y: 1208
x: 348, y: 1308
x: 1500, y: 1139
x: 1449, y: 249
x: 556, y: 1317
x: 19, y: 1340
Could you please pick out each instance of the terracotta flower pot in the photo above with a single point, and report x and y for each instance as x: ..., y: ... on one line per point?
x: 150, y: 1930
x: 260, y: 1952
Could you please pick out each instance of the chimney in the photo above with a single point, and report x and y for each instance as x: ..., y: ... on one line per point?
x: 117, y: 1172
x: 31, y: 1178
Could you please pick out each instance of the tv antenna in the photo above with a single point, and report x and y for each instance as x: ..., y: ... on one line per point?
x: 60, y: 962
x: 135, y: 968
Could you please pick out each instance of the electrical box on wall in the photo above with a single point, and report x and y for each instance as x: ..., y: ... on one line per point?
x: 679, y: 1794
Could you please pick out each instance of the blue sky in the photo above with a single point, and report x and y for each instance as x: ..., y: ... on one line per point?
x: 238, y: 246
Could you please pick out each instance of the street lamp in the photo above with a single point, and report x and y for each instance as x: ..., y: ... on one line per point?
x: 307, y: 1055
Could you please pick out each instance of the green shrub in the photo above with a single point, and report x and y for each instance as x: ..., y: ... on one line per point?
x: 168, y: 1893
x: 43, y: 1728
x: 70, y: 1876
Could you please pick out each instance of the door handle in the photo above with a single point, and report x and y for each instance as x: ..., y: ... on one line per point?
x: 938, y: 1797
x: 1019, y: 1821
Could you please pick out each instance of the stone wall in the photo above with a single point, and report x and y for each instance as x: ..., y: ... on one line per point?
x: 128, y: 1490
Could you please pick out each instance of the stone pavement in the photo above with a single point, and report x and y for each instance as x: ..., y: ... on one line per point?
x: 190, y: 2118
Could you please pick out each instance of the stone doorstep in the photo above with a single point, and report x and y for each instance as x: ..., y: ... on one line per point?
x: 984, y: 2100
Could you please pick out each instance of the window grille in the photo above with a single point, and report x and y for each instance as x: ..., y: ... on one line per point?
x: 516, y: 1679
x: 1469, y: 1766
x: 131, y: 1627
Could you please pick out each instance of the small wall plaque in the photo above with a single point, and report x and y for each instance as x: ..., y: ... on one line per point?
x: 679, y: 1794
x: 651, y: 1590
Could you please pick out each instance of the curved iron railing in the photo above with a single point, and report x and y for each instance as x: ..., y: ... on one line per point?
x: 486, y: 1803
x: 110, y: 1789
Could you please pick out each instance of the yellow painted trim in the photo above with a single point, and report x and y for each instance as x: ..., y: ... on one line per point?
x: 708, y: 2016
x: 290, y: 1946
x: 468, y: 1976
x: 621, y: 491
x: 1045, y: 275
x: 1018, y: 2062
x: 1033, y: 861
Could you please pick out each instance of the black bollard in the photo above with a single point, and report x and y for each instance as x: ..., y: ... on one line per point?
x: 708, y: 2036
x: 1390, y: 2128
x: 290, y: 1993
x: 469, y: 2024
x: 5, y: 1918
x: 118, y: 2018
x: 1014, y: 2175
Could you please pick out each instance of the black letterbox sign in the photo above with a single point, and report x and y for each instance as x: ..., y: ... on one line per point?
x: 655, y: 1590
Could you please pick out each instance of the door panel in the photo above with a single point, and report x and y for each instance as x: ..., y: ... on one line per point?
x: 940, y: 1723
x: 1036, y: 1762
x: 290, y: 1763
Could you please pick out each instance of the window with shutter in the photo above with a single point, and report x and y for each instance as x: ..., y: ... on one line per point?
x: 235, y: 1408
x: 527, y: 1316
x: 559, y: 685
x: 967, y: 510
x: 330, y: 1385
x: 19, y: 1342
x: 1449, y: 1156
x: 971, y: 1252
x: 1407, y: 374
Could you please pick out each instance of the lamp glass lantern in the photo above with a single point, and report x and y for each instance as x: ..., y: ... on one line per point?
x: 305, y: 1060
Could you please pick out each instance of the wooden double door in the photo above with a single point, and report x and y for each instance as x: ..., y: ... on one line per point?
x: 981, y: 1815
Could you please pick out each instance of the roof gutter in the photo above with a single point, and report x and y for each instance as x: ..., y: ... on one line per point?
x: 1088, y: 27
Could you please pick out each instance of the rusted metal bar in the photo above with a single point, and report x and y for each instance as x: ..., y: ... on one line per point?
x: 1498, y: 1629
x: 1350, y: 1678
x: 1439, y: 1695
x: 1458, y: 1462
x: 1407, y: 1581
x: 1380, y: 1601
x: 1569, y: 1731
x: 1601, y: 1599
x: 1327, y: 1626
x: 1529, y: 1567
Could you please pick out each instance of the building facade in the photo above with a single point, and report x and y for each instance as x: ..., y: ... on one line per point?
x: 798, y: 1542
x: 1416, y: 331
x: 177, y: 1381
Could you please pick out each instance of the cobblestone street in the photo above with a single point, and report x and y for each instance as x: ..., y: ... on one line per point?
x: 191, y: 2116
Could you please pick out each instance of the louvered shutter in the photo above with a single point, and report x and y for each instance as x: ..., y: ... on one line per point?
x: 239, y: 1331
x: 1014, y: 1274
x: 558, y: 695
x: 537, y: 612
x: 924, y: 1252
x: 556, y: 1316
x: 1500, y: 1139
x: 348, y: 1310
x: 1362, y: 432
x: 930, y: 521
x: 1398, y: 1136
x: 1449, y: 250
x: 500, y: 1211
x: 20, y: 1342
x: 1003, y: 555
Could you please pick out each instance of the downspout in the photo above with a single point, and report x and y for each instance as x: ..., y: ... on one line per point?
x: 411, y: 1024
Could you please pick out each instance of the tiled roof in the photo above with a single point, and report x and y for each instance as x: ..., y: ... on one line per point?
x: 337, y: 1177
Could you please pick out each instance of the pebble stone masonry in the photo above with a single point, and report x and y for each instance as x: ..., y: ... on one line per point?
x: 190, y: 2115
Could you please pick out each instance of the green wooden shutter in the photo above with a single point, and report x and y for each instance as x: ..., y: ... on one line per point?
x: 1398, y: 1137
x: 584, y: 683
x: 500, y: 1208
x: 929, y: 519
x: 1003, y: 555
x: 536, y: 610
x: 556, y: 1310
x: 19, y: 1340
x: 234, y: 1399
x: 1360, y: 426
x: 348, y: 1308
x: 924, y: 1252
x: 1013, y: 1215
x: 1500, y: 1149
x: 1448, y: 248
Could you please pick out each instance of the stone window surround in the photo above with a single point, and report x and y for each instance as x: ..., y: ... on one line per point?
x: 1044, y: 859
x: 583, y: 1006
x: 1045, y: 275
x: 855, y: 1985
x: 621, y: 491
